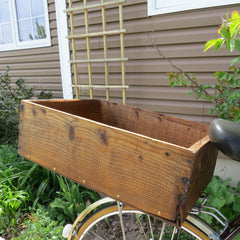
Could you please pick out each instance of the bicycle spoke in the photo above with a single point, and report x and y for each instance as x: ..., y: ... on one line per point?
x: 138, y: 219
x: 109, y: 224
x: 96, y: 235
x: 162, y: 231
x: 121, y: 219
x: 150, y: 226
x: 173, y: 233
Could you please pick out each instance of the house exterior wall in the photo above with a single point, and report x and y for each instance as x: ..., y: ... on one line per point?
x: 180, y: 36
x: 38, y: 66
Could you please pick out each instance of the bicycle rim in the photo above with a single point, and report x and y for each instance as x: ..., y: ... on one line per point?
x: 105, y: 225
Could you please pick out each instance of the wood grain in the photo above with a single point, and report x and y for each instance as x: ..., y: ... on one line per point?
x: 120, y: 151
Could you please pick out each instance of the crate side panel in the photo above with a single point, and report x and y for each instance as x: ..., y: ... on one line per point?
x: 204, y: 165
x: 85, y: 108
x: 166, y: 128
x: 139, y: 171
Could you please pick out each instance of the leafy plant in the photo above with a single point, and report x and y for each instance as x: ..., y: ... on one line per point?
x: 40, y: 225
x: 12, y: 203
x: 223, y: 197
x: 11, y: 94
x: 73, y: 198
x: 22, y: 184
x: 225, y: 96
x: 229, y: 34
x: 225, y: 93
x: 40, y: 183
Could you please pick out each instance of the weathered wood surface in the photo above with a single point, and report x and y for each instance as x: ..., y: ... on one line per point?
x: 156, y: 163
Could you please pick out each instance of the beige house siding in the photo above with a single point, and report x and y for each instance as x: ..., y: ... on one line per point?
x: 38, y: 66
x: 180, y: 36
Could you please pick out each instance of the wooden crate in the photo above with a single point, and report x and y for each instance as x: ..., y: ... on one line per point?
x: 156, y: 163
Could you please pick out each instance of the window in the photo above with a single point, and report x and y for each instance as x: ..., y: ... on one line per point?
x: 24, y: 24
x: 168, y: 6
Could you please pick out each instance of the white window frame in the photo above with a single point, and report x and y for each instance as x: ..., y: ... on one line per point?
x: 17, y: 45
x: 168, y: 6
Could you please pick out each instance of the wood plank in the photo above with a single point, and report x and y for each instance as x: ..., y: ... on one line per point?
x: 112, y: 155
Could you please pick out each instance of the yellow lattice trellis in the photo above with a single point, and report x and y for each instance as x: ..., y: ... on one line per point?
x: 84, y: 9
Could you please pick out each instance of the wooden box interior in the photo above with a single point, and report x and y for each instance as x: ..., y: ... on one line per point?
x: 158, y: 126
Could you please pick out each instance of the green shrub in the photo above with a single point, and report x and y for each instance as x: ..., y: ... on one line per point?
x: 13, y: 205
x: 225, y: 93
x: 11, y: 94
x: 223, y: 197
x: 73, y: 198
x: 40, y: 183
x: 22, y: 184
x: 40, y: 225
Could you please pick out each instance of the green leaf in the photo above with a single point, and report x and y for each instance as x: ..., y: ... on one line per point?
x: 238, y: 187
x: 234, y: 61
x: 236, y: 206
x: 235, y: 15
x: 237, y: 237
x: 230, y: 44
x: 218, y: 44
x: 237, y: 44
x: 224, y: 33
x: 190, y: 93
x: 209, y: 44
x: 234, y: 27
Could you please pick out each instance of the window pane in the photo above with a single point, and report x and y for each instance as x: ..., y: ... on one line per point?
x: 5, y: 23
x: 5, y: 33
x: 37, y: 8
x: 25, y: 30
x: 23, y: 9
x: 39, y: 28
x: 4, y: 12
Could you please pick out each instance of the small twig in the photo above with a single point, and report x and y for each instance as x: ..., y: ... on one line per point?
x: 159, y: 52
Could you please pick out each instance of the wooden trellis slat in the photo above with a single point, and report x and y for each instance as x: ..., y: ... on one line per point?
x: 97, y: 34
x: 106, y: 60
x: 100, y: 86
x: 102, y: 4
x: 99, y: 60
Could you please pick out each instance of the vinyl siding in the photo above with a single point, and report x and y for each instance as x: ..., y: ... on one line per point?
x: 180, y: 36
x: 38, y: 66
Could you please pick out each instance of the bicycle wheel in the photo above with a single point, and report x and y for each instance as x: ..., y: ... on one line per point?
x: 105, y: 225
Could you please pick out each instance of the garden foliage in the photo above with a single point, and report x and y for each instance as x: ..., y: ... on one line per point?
x: 40, y: 225
x: 72, y: 199
x: 25, y: 186
x: 223, y: 197
x: 11, y: 94
x: 225, y: 93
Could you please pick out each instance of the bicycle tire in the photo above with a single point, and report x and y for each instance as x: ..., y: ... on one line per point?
x: 87, y: 228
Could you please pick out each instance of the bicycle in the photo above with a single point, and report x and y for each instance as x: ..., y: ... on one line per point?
x: 117, y: 217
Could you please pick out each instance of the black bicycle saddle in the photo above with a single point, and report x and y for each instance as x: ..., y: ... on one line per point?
x: 226, y: 136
